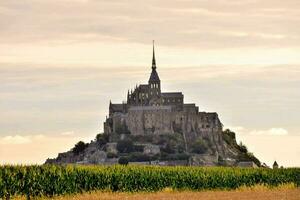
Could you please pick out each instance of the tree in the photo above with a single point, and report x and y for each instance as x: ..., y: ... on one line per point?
x: 79, y: 147
x: 123, y: 161
x: 102, y: 138
x: 229, y: 137
x: 125, y: 146
x: 242, y: 148
x: 199, y: 147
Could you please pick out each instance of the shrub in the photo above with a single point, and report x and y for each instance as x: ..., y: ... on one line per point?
x: 138, y: 148
x: 102, y: 138
x: 199, y: 147
x: 123, y: 161
x: 79, y: 147
x: 125, y: 146
x: 111, y: 155
x: 229, y: 137
x: 138, y: 157
x: 177, y: 156
x: 242, y: 148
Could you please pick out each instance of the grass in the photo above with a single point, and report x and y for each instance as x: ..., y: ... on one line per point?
x: 257, y: 192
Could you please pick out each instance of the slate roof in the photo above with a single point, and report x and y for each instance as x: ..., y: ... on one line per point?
x: 172, y: 94
x: 116, y: 107
x: 154, y: 77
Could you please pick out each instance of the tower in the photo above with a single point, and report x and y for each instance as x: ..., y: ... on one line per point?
x: 154, y: 81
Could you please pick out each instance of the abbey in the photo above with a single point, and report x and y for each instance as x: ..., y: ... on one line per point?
x: 148, y: 110
x: 155, y: 127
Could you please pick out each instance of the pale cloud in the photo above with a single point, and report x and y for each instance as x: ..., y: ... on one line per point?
x: 237, y: 129
x: 272, y: 131
x: 35, y: 149
x: 17, y: 139
x: 174, y: 23
x: 67, y: 133
x: 247, y: 131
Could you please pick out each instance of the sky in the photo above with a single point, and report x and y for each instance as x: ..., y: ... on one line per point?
x: 62, y: 61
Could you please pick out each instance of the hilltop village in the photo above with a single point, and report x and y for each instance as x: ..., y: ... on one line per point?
x: 159, y: 128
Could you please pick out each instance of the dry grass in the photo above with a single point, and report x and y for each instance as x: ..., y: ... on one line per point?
x: 259, y: 192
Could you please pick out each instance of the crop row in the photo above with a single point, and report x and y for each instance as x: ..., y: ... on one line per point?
x: 50, y: 180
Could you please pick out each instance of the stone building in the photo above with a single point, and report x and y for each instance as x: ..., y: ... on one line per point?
x: 148, y: 110
x: 160, y: 128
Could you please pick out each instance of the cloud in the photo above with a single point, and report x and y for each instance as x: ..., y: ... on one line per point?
x: 174, y: 23
x: 67, y: 133
x: 237, y: 129
x: 19, y: 139
x: 272, y: 131
x: 269, y: 132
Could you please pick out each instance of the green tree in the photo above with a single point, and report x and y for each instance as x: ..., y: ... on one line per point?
x: 123, y: 161
x: 125, y: 146
x: 102, y: 138
x: 242, y: 148
x: 229, y: 137
x: 79, y: 147
x: 199, y: 147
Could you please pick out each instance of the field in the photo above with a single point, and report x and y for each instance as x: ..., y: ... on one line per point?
x: 285, y: 192
x: 51, y: 180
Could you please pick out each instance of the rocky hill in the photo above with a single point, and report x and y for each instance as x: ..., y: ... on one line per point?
x: 165, y: 149
x: 155, y: 127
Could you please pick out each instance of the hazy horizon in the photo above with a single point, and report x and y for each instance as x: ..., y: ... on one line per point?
x: 61, y: 62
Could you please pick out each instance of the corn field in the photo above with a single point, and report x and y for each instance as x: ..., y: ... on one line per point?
x: 52, y: 180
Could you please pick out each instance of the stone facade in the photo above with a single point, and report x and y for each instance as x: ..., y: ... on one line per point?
x: 150, y: 111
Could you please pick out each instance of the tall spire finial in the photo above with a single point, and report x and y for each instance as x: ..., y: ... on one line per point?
x: 153, y: 58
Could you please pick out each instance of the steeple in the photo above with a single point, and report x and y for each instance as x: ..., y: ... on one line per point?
x: 154, y: 76
x: 153, y: 58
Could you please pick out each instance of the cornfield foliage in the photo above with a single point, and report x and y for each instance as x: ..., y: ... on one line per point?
x: 50, y: 180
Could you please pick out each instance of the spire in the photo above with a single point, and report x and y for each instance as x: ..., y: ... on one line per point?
x: 153, y: 58
x: 154, y: 76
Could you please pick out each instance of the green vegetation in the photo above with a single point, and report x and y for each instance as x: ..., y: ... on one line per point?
x: 229, y: 137
x: 125, y: 146
x: 102, y: 138
x: 123, y: 160
x: 122, y: 129
x: 243, y: 155
x: 79, y: 147
x: 200, y: 146
x: 50, y: 180
x: 176, y: 156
